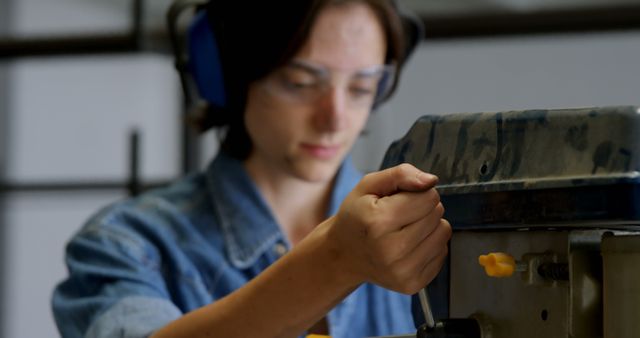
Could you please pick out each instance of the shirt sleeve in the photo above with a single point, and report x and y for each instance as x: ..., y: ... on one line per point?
x: 115, y: 286
x: 132, y: 317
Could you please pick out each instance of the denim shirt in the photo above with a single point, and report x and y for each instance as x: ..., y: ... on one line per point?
x: 141, y: 263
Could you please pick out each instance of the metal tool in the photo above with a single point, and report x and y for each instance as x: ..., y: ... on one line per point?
x: 426, y: 309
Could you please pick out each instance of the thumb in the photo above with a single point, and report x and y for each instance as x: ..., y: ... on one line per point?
x: 403, y: 177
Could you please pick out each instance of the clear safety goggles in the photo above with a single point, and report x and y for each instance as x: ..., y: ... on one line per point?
x: 304, y: 82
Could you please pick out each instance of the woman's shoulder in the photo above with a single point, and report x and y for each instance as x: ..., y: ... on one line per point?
x: 162, y: 214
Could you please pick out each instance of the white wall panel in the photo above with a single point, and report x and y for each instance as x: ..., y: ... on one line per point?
x: 71, y: 117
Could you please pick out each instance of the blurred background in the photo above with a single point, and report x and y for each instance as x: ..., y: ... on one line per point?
x: 91, y: 108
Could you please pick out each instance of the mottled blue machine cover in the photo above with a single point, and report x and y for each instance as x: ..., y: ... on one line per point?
x: 531, y: 168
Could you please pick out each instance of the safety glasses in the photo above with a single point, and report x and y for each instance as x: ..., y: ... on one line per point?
x: 303, y: 82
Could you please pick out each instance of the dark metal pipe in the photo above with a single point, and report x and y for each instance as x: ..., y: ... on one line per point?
x: 78, y: 186
x: 134, y: 163
x: 11, y: 48
x: 137, y: 23
x: 109, y: 43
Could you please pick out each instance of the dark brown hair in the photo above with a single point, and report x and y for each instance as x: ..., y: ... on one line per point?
x: 254, y: 41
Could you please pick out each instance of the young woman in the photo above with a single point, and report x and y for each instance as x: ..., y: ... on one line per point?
x: 276, y: 238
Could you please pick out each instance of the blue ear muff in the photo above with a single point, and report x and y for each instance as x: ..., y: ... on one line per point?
x: 204, y: 62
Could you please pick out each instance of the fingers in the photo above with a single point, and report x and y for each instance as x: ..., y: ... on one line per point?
x: 424, y: 263
x: 417, y: 268
x: 403, y: 177
x: 391, y: 199
x: 392, y: 213
x: 408, y: 207
x: 431, y: 267
x: 415, y: 233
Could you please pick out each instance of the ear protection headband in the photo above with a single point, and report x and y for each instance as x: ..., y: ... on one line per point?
x: 204, y: 64
x: 198, y: 59
x: 196, y: 54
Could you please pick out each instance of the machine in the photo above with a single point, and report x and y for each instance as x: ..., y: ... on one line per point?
x: 545, y: 208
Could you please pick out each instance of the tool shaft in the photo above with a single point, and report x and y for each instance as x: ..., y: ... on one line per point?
x: 426, y: 309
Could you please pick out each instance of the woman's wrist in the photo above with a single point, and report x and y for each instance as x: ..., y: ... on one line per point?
x: 329, y: 253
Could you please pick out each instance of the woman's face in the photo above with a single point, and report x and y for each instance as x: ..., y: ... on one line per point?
x: 304, y: 118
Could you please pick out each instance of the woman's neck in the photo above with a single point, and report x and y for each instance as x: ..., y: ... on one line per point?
x: 297, y: 205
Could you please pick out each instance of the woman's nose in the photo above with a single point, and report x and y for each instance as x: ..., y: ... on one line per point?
x: 331, y: 111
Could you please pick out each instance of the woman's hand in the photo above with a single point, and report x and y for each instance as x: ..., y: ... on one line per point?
x: 390, y: 230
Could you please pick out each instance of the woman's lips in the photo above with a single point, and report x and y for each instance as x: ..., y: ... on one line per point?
x: 322, y: 152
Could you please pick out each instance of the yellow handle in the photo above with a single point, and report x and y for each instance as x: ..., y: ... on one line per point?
x: 497, y: 264
x: 317, y: 336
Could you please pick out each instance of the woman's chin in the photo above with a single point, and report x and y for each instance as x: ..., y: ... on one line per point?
x: 319, y: 172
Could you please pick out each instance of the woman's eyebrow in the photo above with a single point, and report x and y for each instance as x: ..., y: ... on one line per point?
x: 372, y: 71
x: 307, y: 67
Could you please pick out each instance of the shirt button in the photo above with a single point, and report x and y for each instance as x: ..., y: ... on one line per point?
x: 280, y: 249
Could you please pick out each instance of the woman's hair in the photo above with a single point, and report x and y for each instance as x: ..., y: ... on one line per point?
x: 255, y: 40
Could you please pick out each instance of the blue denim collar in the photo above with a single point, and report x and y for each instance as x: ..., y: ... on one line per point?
x: 248, y: 225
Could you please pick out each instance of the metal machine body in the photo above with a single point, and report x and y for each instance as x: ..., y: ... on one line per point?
x: 559, y: 191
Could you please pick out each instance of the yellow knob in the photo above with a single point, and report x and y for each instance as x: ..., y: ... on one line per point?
x: 497, y: 264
